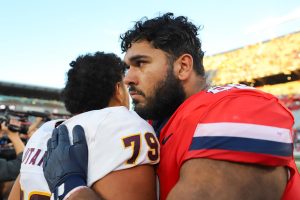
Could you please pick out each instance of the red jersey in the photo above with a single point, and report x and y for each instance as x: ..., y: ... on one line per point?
x: 233, y: 123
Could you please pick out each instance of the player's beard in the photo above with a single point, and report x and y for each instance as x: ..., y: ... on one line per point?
x: 167, y: 96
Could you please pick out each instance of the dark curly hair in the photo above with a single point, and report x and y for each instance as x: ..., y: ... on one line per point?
x: 174, y: 35
x: 91, y: 81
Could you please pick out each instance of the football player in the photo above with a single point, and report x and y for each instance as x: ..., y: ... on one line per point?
x: 122, y: 147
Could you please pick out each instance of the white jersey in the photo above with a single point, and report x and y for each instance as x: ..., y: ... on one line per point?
x: 117, y: 139
x: 33, y: 183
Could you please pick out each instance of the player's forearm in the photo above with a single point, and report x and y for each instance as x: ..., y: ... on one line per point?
x: 84, y: 193
x: 15, y: 191
x: 181, y: 192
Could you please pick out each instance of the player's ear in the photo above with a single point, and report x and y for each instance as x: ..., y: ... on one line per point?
x: 120, y: 97
x: 183, y: 66
x: 119, y: 93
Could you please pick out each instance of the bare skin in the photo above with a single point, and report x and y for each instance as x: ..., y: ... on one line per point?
x: 15, y: 191
x: 132, y: 184
x: 226, y: 180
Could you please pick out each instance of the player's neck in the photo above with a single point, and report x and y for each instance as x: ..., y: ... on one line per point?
x: 194, y: 86
x: 114, y: 103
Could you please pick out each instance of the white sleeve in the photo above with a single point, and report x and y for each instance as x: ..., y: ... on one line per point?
x: 121, y: 142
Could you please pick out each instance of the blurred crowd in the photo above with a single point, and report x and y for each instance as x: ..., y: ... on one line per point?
x: 292, y: 101
x: 279, y: 55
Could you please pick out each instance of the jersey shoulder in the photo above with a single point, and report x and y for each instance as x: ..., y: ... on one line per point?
x: 117, y: 139
x: 232, y: 123
x: 42, y: 134
x: 109, y: 122
x: 235, y: 103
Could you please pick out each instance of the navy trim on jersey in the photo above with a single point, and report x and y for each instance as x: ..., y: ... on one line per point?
x: 158, y: 125
x: 242, y: 144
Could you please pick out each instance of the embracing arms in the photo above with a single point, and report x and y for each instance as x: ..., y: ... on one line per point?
x: 215, y: 179
x: 66, y: 166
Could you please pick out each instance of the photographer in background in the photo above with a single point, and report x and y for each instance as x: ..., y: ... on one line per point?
x: 35, y: 125
x: 9, y: 169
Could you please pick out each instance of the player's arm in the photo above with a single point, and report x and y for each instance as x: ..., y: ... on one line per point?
x: 215, y: 179
x: 83, y: 194
x: 137, y: 183
x: 15, y: 191
x: 257, y: 134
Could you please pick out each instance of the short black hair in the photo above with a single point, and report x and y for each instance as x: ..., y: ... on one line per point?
x: 174, y: 35
x: 91, y: 81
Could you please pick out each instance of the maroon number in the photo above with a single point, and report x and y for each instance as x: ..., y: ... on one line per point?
x: 21, y: 194
x: 35, y: 195
x: 134, y: 142
x: 39, y: 197
x: 153, y: 153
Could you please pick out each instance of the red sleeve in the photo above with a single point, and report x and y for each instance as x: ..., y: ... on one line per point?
x: 249, y: 128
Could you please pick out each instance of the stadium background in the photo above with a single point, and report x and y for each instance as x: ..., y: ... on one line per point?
x: 272, y: 66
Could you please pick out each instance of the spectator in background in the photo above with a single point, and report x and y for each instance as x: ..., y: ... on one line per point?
x: 9, y: 169
x: 34, y: 126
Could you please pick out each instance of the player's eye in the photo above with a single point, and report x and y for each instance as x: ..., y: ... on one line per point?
x: 140, y: 63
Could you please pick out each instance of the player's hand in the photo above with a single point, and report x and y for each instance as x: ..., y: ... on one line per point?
x: 6, y: 130
x: 65, y: 165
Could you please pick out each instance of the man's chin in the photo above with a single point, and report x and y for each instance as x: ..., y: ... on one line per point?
x: 138, y: 106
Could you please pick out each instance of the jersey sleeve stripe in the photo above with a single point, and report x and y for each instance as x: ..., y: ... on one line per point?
x: 244, y: 130
x: 238, y: 156
x: 242, y: 145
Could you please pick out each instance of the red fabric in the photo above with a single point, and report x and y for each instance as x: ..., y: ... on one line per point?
x: 226, y: 105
